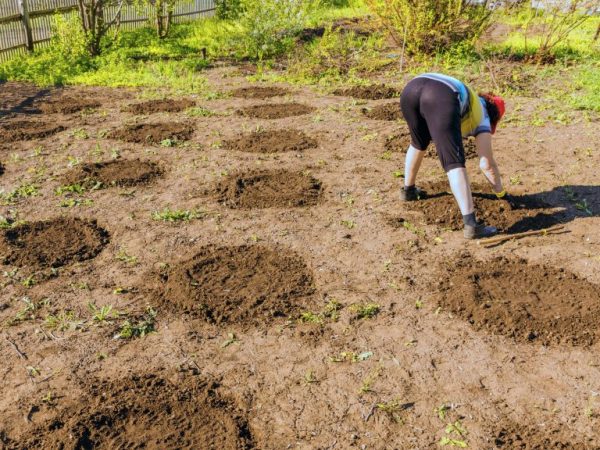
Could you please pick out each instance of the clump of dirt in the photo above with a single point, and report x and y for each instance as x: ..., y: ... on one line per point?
x: 399, y: 142
x: 519, y: 437
x: 259, y: 92
x: 373, y: 92
x: 153, y: 133
x: 51, y: 243
x: 387, y: 111
x: 112, y: 173
x: 25, y: 130
x: 238, y: 285
x: 526, y: 212
x: 67, y: 105
x: 146, y: 411
x: 543, y: 304
x: 269, y: 189
x: 276, y: 141
x: 158, y: 106
x: 275, y: 111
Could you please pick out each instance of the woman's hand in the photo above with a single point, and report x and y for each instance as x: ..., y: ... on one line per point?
x: 487, y: 164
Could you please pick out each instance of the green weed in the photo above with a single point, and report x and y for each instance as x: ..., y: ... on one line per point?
x: 365, y: 310
x: 177, y: 215
x: 140, y: 327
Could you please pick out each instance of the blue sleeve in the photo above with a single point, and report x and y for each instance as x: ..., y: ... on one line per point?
x: 485, y: 125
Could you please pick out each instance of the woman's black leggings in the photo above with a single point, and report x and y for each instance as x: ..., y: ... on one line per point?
x: 432, y: 111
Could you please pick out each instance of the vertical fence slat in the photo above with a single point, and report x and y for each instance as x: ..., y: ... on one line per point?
x: 24, y: 8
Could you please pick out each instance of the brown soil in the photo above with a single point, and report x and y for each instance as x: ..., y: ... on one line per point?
x: 373, y: 92
x: 112, y: 173
x: 145, y: 411
x: 153, y: 133
x: 67, y: 105
x: 269, y: 189
x: 259, y: 92
x: 399, y: 142
x: 439, y: 208
x: 387, y: 111
x: 238, y: 285
x: 25, y: 130
x: 275, y: 111
x: 1, y: 169
x: 158, y: 106
x: 526, y: 302
x: 51, y: 243
x: 276, y: 141
x: 520, y: 437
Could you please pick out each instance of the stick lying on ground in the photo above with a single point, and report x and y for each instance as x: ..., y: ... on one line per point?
x: 501, y: 239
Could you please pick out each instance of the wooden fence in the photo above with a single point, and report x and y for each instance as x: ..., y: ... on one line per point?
x: 27, y: 24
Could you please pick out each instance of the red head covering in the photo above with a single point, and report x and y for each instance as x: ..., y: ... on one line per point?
x: 499, y: 102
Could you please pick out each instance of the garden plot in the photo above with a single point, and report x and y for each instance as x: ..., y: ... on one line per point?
x: 153, y: 133
x: 374, y: 92
x: 67, y: 105
x: 268, y: 189
x: 238, y: 285
x: 526, y: 302
x: 144, y: 411
x: 51, y: 243
x: 28, y: 130
x: 259, y: 92
x: 112, y: 173
x: 271, y: 141
x: 275, y: 111
x: 159, y: 106
x: 386, y: 112
x: 510, y: 435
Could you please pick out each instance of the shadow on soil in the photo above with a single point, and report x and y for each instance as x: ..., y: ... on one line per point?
x: 17, y: 103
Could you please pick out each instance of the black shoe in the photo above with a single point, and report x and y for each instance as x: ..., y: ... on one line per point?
x: 411, y: 194
x: 479, y: 231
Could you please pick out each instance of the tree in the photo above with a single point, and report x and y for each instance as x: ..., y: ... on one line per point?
x: 94, y: 21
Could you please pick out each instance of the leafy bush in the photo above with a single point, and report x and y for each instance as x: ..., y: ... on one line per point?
x: 228, y: 9
x: 270, y: 25
x: 429, y: 26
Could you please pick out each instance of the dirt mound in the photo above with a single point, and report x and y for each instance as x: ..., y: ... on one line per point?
x: 513, y: 436
x: 528, y: 212
x: 543, y: 304
x: 259, y: 92
x: 25, y: 130
x: 275, y: 141
x: 153, y: 133
x: 373, y: 92
x: 275, y: 111
x: 112, y: 173
x: 1, y: 169
x: 158, y: 106
x: 269, y: 189
x: 241, y: 285
x: 387, y: 111
x: 51, y: 243
x: 399, y: 142
x: 67, y: 105
x: 146, y: 412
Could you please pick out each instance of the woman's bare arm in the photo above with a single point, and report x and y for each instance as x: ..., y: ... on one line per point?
x: 487, y: 163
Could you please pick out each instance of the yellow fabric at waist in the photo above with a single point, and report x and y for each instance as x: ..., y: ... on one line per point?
x: 471, y: 120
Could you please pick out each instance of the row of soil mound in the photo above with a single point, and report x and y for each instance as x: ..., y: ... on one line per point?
x: 273, y: 141
x: 400, y: 141
x: 246, y: 285
x: 526, y: 302
x: 27, y: 130
x: 112, y: 173
x: 153, y: 133
x: 159, y: 106
x: 51, y: 243
x: 373, y: 92
x: 144, y: 411
x: 527, y: 212
x: 275, y: 111
x: 67, y: 105
x: 259, y: 92
x: 387, y: 111
x: 268, y: 189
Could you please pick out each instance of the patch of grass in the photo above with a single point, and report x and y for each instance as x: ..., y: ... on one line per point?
x: 75, y: 188
x: 63, y: 321
x: 75, y: 202
x: 365, y: 310
x: 139, y: 327
x: 177, y: 215
x: 23, y: 191
x: 331, y: 312
x: 199, y: 111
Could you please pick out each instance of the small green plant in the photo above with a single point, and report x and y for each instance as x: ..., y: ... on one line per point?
x: 28, y: 312
x: 75, y: 188
x: 231, y: 339
x: 455, y: 433
x: 140, y: 327
x: 330, y: 312
x: 75, y: 202
x: 168, y: 143
x: 123, y: 256
x: 350, y: 224
x: 365, y: 310
x: 102, y: 314
x: 63, y: 321
x: 177, y: 215
x: 393, y: 408
x: 199, y: 112
x: 23, y: 191
x: 310, y: 377
x: 367, y: 384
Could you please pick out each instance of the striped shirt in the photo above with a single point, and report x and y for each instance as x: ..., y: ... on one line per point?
x: 474, y: 118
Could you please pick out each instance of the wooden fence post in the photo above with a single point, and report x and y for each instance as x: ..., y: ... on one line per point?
x: 26, y: 23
